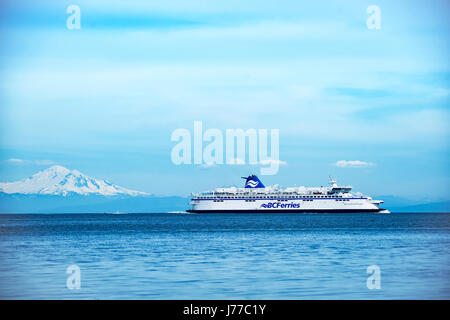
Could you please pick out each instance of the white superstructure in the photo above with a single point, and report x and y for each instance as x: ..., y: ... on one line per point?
x: 255, y: 197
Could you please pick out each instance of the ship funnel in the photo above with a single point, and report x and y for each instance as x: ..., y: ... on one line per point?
x: 253, y: 182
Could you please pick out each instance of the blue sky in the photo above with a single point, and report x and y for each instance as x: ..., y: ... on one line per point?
x: 105, y: 99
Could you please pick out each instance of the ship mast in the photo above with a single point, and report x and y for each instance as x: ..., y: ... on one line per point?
x: 333, y: 182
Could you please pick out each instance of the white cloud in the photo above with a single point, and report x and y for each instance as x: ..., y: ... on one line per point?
x: 43, y: 162
x: 14, y: 160
x: 353, y: 164
x: 208, y: 165
x: 272, y: 162
x: 236, y: 161
x: 36, y: 162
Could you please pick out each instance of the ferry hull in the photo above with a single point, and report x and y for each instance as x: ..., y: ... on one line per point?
x: 288, y: 211
x: 327, y: 205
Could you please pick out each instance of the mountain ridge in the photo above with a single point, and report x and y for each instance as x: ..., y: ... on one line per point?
x: 76, y: 203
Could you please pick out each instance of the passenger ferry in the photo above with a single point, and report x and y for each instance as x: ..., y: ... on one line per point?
x: 255, y: 197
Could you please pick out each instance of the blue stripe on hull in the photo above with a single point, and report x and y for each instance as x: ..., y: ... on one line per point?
x: 287, y: 210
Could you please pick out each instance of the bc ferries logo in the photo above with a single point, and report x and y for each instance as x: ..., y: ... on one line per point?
x: 276, y: 205
x: 251, y: 183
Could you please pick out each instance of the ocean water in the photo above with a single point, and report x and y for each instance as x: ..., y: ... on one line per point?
x: 225, y: 256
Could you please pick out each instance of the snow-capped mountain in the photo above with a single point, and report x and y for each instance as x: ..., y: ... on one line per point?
x: 58, y: 180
